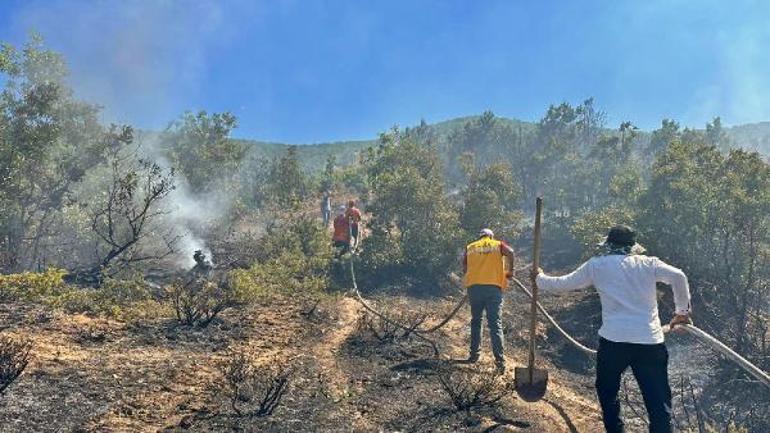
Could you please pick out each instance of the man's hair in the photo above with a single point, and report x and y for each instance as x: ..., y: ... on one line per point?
x: 621, y: 235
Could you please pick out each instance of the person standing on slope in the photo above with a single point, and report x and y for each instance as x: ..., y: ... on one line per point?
x: 326, y: 207
x: 353, y: 214
x: 631, y: 333
x: 484, y: 264
x: 341, y: 236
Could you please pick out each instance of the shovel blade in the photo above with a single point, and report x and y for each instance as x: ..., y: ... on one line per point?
x: 534, y: 390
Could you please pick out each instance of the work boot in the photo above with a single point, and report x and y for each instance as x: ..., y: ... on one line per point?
x: 499, y: 368
x: 472, y: 359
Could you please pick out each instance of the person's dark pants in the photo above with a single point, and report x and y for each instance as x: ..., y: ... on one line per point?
x: 342, y: 247
x: 649, y: 363
x: 490, y: 299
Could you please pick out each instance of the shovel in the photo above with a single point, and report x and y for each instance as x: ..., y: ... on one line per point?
x: 531, y: 382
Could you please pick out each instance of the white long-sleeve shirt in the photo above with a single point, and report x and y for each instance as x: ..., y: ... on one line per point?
x: 626, y: 286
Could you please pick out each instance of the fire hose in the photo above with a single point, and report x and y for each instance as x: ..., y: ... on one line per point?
x: 696, y: 332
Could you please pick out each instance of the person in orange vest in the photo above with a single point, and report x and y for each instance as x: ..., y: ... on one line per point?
x: 486, y: 276
x: 341, y: 236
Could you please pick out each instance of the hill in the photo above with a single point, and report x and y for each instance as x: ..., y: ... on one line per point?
x: 751, y: 136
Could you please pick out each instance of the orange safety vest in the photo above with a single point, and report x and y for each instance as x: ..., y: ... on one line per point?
x: 485, y: 263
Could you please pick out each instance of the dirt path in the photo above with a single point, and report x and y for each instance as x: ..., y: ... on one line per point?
x: 326, y: 350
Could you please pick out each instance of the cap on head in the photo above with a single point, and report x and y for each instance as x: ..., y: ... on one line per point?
x: 341, y: 209
x: 621, y: 235
x: 486, y: 232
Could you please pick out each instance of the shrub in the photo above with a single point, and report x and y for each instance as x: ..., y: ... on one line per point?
x: 261, y: 388
x: 14, y: 357
x: 120, y: 299
x: 295, y: 259
x: 467, y: 389
x: 198, y: 301
x: 32, y: 286
x: 385, y: 331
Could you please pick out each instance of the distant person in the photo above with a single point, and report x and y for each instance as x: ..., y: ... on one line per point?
x: 341, y: 236
x: 326, y: 207
x: 631, y: 335
x: 353, y: 214
x: 484, y: 264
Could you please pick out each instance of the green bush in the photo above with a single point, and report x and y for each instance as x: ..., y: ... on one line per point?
x: 32, y: 286
x: 120, y: 299
x: 415, y: 235
x: 295, y: 258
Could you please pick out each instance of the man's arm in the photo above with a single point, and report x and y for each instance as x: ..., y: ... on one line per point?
x: 667, y: 274
x: 510, y: 257
x: 580, y: 278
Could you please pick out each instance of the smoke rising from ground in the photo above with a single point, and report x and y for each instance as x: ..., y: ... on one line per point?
x: 188, y: 214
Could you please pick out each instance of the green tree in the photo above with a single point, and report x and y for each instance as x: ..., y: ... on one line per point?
x: 200, y: 149
x: 288, y: 183
x: 48, y: 142
x: 491, y: 200
x: 716, y: 135
x: 663, y: 136
x: 414, y: 229
x: 711, y: 214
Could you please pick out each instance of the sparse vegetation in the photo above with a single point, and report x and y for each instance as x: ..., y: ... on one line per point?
x: 258, y: 388
x: 198, y: 301
x: 468, y: 389
x: 90, y: 227
x: 385, y: 331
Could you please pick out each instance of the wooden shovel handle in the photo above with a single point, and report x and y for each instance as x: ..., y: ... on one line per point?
x: 535, y: 265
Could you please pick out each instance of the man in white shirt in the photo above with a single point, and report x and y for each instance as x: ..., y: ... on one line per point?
x: 631, y: 333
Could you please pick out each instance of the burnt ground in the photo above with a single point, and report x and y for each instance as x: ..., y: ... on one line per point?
x: 96, y: 375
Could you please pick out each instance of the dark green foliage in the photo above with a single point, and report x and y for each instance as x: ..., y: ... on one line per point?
x: 491, y: 200
x: 710, y: 213
x: 200, y: 149
x: 414, y: 229
x: 288, y: 183
x: 48, y: 141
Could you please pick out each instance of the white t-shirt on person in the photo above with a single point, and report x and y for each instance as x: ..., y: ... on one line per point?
x: 626, y: 286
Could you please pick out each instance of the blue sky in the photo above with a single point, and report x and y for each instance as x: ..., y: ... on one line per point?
x: 312, y: 71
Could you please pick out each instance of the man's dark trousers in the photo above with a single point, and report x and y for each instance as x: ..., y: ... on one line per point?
x: 649, y: 363
x: 487, y: 298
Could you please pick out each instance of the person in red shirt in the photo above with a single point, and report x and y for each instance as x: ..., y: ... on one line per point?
x: 353, y: 215
x: 341, y: 236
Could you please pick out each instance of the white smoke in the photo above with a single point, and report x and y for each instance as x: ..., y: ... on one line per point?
x: 189, y: 215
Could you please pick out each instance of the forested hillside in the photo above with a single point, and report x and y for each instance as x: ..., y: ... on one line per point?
x: 753, y: 137
x: 183, y: 280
